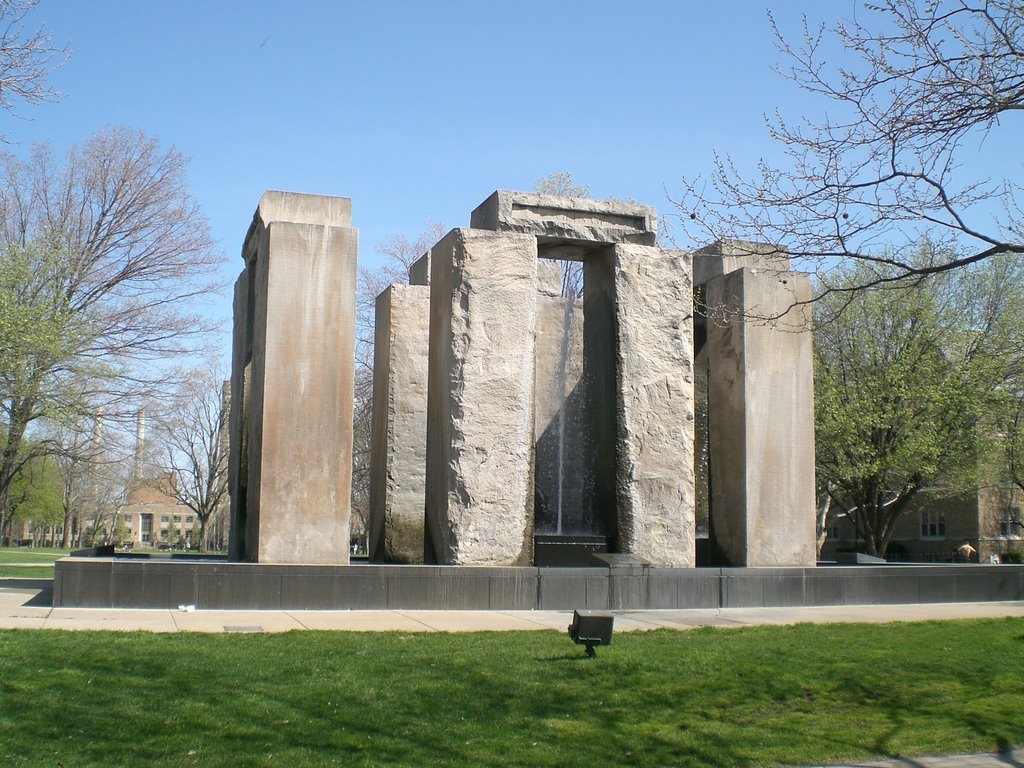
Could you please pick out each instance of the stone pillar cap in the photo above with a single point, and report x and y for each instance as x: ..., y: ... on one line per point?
x: 297, y: 208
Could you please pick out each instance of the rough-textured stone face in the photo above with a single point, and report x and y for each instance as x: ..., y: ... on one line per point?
x: 761, y: 403
x: 293, y: 365
x: 569, y: 219
x: 398, y: 445
x: 654, y: 382
x: 479, y: 499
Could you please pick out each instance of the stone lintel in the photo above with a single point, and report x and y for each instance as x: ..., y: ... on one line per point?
x: 725, y: 256
x: 551, y: 218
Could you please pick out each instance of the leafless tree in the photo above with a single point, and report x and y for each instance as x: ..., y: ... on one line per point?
x: 80, y: 452
x: 102, y: 260
x: 26, y: 57
x: 192, y: 432
x: 104, y: 498
x: 924, y: 84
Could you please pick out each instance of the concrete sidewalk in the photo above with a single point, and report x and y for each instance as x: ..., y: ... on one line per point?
x: 25, y: 603
x: 1014, y: 758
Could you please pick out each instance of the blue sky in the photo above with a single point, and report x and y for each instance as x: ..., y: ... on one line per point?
x: 418, y: 110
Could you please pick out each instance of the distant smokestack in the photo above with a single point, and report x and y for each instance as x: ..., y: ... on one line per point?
x: 97, y: 429
x: 140, y: 442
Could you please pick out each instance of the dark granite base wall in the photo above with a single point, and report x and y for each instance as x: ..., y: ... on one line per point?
x: 116, y: 583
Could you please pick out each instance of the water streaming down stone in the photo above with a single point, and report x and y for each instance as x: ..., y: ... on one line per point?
x: 562, y: 419
x: 563, y: 359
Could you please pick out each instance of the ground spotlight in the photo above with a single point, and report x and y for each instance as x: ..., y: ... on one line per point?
x: 591, y: 628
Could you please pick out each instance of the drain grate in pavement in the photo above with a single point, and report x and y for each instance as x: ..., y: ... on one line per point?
x: 243, y: 628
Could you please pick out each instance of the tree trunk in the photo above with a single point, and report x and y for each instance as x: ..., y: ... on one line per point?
x: 8, y: 468
x: 822, y: 512
x: 65, y: 534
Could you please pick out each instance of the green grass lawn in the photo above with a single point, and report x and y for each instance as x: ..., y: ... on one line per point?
x: 31, y: 554
x: 44, y: 556
x: 27, y: 572
x: 740, y: 697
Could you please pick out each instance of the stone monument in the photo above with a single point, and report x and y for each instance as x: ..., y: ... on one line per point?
x: 755, y: 314
x: 290, y: 461
x: 506, y: 415
x: 550, y: 416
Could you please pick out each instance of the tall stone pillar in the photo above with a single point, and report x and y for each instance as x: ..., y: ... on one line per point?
x: 654, y: 405
x: 480, y: 409
x: 761, y: 414
x: 292, y: 382
x: 398, y: 441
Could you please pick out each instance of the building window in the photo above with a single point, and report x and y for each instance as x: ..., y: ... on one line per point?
x: 188, y: 519
x: 165, y: 518
x: 933, y: 525
x: 1009, y: 525
x: 177, y: 518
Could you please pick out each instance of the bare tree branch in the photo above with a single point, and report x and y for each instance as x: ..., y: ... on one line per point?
x: 192, y: 434
x: 889, y: 161
x: 26, y: 58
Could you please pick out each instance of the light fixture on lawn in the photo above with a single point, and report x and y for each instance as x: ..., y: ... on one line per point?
x: 591, y: 628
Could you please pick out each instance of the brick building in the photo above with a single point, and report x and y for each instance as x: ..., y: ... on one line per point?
x: 936, y: 524
x: 152, y: 517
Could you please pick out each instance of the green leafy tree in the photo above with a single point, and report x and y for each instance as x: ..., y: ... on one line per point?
x: 102, y: 259
x: 36, y: 496
x: 909, y: 384
x: 171, y: 534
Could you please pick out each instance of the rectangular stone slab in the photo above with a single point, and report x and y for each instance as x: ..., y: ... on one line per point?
x: 298, y: 385
x: 761, y: 403
x: 567, y: 219
x: 479, y: 491
x: 399, y: 439
x: 654, y: 391
x: 725, y: 256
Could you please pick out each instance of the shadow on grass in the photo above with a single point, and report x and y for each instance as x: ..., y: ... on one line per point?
x: 744, y: 698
